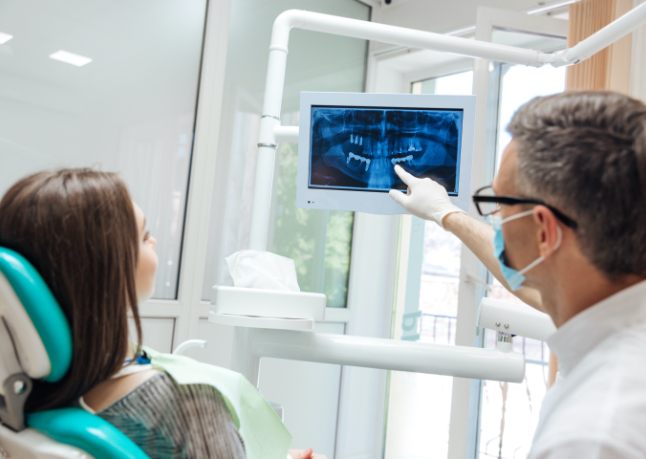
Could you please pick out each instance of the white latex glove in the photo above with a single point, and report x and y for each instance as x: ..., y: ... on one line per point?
x: 425, y: 198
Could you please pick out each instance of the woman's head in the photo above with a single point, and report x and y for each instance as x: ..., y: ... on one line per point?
x: 79, y: 229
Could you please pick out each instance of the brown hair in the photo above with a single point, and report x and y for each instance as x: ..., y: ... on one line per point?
x: 585, y: 153
x: 78, y: 228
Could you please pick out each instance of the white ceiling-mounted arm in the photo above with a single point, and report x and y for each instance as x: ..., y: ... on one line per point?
x: 606, y: 36
x: 410, y: 38
x: 286, y: 133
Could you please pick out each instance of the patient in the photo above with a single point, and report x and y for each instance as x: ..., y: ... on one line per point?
x: 88, y: 240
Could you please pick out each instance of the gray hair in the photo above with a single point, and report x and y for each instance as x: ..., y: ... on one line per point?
x: 585, y: 153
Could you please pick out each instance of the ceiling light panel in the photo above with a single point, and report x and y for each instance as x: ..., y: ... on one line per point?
x: 4, y: 38
x: 70, y: 58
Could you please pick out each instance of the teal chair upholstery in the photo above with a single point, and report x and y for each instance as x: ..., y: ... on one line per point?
x: 36, y: 343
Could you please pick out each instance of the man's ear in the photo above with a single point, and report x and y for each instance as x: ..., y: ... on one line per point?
x: 548, y: 231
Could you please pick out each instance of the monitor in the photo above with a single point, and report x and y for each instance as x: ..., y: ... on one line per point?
x: 349, y: 144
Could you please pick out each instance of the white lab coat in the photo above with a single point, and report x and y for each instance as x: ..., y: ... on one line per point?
x: 597, y: 408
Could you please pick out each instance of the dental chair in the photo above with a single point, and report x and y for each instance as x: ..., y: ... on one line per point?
x: 36, y: 343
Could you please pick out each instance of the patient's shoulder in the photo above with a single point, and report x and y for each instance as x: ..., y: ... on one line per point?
x: 168, y: 419
x: 111, y: 391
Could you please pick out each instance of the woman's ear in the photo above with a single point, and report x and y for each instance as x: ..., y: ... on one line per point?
x: 548, y: 232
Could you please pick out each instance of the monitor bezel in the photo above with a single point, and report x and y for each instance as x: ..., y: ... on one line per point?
x: 375, y: 201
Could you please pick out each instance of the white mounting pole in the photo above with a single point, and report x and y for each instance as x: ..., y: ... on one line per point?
x: 317, y: 22
x: 269, y: 120
x: 387, y: 354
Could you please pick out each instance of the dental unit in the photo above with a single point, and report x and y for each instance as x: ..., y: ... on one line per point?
x: 273, y: 325
x: 280, y: 324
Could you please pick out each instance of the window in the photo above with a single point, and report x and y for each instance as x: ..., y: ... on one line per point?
x: 509, y: 412
x: 318, y: 241
x: 420, y: 404
x: 438, y: 301
x: 120, y: 112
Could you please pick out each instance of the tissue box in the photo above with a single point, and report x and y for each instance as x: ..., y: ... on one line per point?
x: 257, y: 302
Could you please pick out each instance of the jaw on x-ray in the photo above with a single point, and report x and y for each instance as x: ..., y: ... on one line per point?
x: 357, y: 148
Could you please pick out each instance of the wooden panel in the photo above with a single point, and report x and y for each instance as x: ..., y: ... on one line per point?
x: 638, y: 62
x: 620, y: 54
x: 610, y: 67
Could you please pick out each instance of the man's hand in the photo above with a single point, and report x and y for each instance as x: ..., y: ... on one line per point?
x: 425, y: 198
x: 429, y: 200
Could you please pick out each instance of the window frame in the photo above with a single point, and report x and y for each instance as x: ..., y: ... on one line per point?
x: 487, y: 80
x: 187, y: 308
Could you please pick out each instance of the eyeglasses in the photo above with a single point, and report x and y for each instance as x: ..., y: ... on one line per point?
x: 487, y: 203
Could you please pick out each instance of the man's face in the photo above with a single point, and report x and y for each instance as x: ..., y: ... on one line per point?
x: 518, y: 234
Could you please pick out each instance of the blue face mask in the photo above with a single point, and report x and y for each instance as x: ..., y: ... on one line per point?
x: 514, y: 278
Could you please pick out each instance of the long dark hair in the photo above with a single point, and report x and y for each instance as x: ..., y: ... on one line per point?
x: 78, y: 228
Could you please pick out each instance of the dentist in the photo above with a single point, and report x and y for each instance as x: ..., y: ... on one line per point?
x: 568, y: 208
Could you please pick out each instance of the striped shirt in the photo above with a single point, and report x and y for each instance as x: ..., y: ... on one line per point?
x: 167, y: 420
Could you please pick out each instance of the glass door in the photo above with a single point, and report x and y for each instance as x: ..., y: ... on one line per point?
x: 500, y: 418
x: 509, y: 412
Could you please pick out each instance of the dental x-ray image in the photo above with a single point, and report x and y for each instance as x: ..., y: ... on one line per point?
x: 358, y: 148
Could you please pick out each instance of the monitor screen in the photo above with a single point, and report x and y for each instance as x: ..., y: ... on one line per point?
x: 356, y: 148
x: 350, y: 143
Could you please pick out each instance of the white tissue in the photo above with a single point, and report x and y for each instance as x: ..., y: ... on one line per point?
x: 265, y: 270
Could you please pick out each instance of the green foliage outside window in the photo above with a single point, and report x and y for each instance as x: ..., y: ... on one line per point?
x: 319, y: 241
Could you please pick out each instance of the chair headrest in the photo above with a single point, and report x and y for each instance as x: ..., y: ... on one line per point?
x: 32, y: 318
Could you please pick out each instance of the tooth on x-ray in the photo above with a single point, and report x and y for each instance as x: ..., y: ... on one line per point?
x: 358, y: 158
x: 400, y: 160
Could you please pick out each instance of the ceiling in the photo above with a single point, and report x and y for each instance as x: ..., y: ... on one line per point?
x: 459, y: 20
x: 435, y: 16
